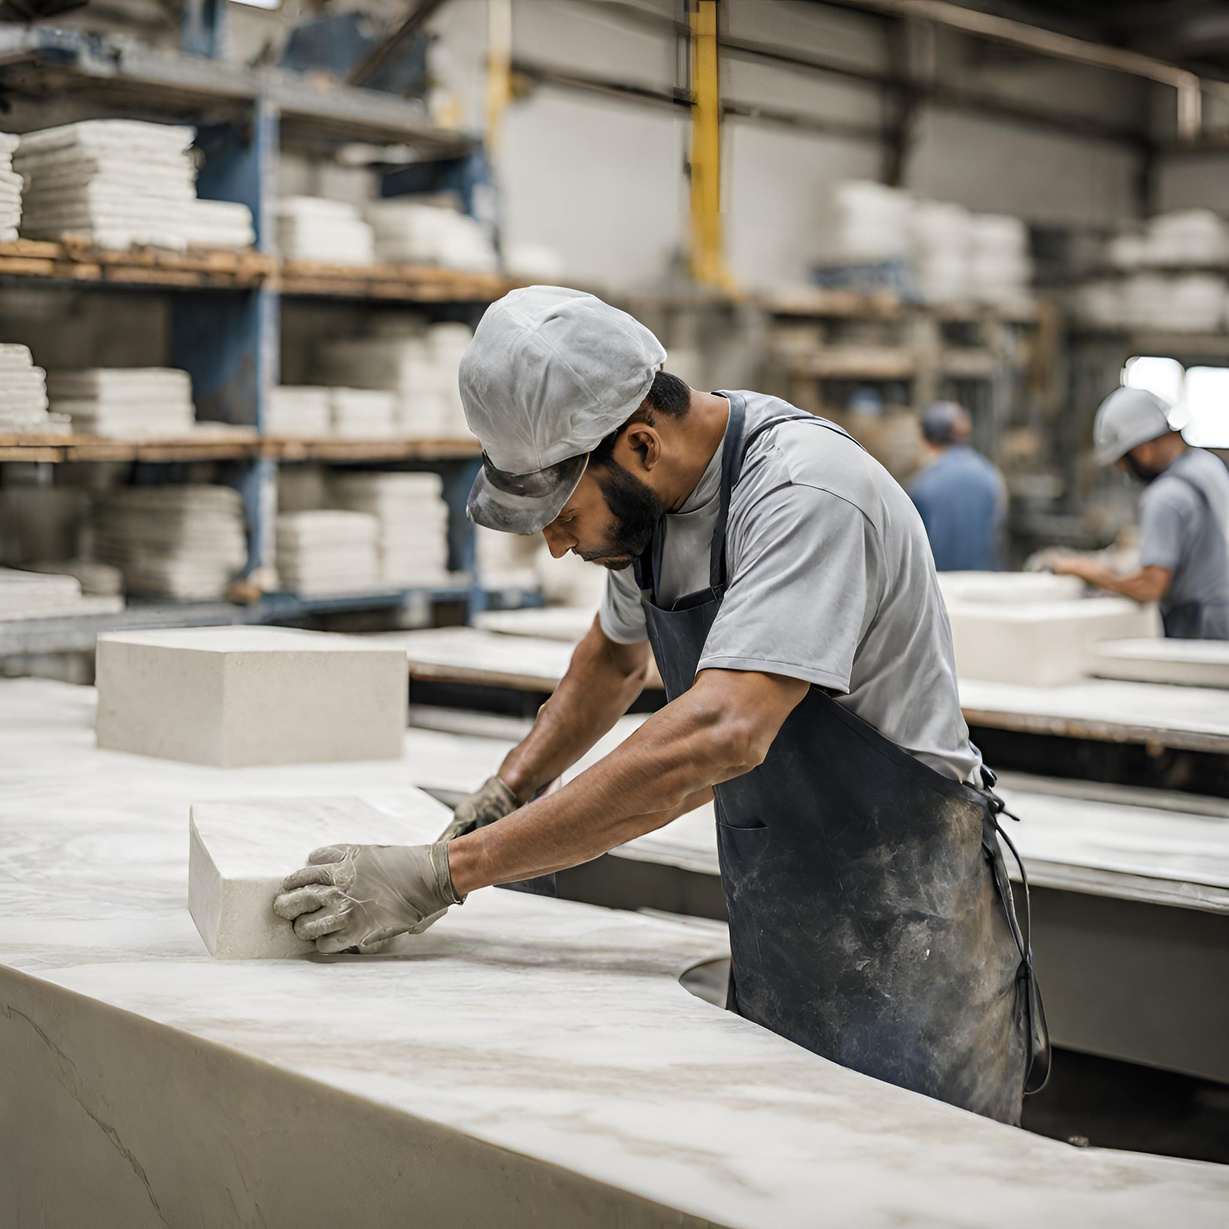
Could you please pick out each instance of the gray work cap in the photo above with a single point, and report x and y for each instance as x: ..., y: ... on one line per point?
x: 1126, y: 418
x: 550, y: 373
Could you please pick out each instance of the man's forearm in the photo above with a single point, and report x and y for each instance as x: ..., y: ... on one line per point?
x: 599, y: 687
x: 1148, y: 584
x: 714, y: 732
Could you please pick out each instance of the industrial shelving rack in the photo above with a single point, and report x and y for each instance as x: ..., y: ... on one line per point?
x: 226, y: 307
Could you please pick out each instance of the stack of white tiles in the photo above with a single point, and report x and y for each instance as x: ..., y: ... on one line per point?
x: 10, y: 188
x: 419, y: 366
x: 110, y: 182
x: 219, y: 224
x: 413, y: 519
x: 41, y: 595
x: 23, y: 394
x: 298, y: 411
x: 363, y: 413
x: 328, y: 552
x: 176, y: 541
x: 409, y: 232
x: 125, y: 402
x: 329, y: 232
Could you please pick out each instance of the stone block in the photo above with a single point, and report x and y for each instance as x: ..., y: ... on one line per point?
x: 240, y: 851
x: 239, y: 696
x: 1187, y: 663
x: 1041, y: 644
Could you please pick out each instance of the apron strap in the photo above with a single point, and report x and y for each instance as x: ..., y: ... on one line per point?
x: 731, y: 470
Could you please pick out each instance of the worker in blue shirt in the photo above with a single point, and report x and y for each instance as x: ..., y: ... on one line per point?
x: 960, y: 494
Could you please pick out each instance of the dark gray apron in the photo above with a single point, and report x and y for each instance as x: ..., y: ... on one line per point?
x: 870, y: 910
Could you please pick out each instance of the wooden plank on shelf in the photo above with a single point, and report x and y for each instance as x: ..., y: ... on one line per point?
x: 232, y: 444
x: 330, y: 449
x: 855, y: 304
x: 410, y: 283
x: 855, y: 363
x: 74, y: 260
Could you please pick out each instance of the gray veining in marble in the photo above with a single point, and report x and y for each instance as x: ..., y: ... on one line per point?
x: 525, y: 1062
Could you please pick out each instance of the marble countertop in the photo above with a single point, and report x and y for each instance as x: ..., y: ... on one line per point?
x: 1104, y: 709
x: 553, y: 1030
x: 1107, y: 848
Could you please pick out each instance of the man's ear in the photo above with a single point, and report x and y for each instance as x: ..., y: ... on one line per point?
x: 640, y: 446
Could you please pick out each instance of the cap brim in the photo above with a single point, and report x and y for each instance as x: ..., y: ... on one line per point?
x: 522, y: 503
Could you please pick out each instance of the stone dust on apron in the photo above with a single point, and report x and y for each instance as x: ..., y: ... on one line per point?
x: 871, y: 918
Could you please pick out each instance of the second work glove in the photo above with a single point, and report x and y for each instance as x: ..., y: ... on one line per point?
x: 359, y: 896
x: 491, y: 801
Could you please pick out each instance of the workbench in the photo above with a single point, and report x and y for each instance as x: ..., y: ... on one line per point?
x: 526, y: 1062
x: 1143, y: 733
x: 1130, y: 902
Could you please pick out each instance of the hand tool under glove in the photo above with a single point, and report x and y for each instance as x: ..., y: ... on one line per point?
x: 491, y: 801
x: 355, y: 897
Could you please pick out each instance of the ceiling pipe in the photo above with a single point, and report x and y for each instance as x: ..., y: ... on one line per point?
x: 1188, y: 85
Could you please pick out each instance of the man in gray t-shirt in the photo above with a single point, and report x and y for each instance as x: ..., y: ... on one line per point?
x: 783, y: 584
x: 1183, y: 518
x: 831, y: 581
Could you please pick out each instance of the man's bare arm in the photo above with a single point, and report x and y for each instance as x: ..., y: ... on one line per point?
x: 721, y: 728
x: 1149, y: 584
x: 602, y: 680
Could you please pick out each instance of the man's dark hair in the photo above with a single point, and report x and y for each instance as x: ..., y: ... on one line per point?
x: 667, y: 395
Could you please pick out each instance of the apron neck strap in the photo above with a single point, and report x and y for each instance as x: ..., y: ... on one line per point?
x: 731, y: 466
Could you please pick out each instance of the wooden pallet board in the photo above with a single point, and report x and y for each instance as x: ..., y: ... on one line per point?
x: 72, y: 260
x: 369, y: 450
x: 408, y: 283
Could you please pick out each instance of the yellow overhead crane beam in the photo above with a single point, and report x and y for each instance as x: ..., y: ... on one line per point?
x: 707, y: 245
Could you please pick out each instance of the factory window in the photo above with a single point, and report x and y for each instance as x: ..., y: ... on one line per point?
x: 1199, y: 396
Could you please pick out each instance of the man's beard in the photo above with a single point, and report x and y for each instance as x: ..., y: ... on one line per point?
x: 636, y: 509
x: 1145, y: 473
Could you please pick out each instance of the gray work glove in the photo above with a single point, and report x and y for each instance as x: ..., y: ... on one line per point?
x: 491, y: 801
x: 359, y: 896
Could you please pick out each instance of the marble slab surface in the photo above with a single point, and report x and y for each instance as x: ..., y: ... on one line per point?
x: 537, y: 1051
x: 1103, y: 709
x: 1187, y: 663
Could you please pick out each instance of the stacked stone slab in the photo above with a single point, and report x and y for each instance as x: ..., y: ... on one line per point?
x: 184, y: 542
x: 10, y: 188
x: 326, y: 552
x: 408, y: 232
x: 124, y: 402
x: 299, y: 411
x: 413, y: 521
x: 329, y: 232
x: 419, y: 365
x: 40, y: 595
x: 219, y: 224
x: 23, y: 395
x: 363, y: 413
x: 108, y: 182
x: 236, y: 696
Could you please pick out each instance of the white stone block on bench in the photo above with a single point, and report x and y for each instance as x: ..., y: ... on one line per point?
x: 240, y: 851
x: 239, y: 696
x: 1042, y: 644
x: 1188, y: 663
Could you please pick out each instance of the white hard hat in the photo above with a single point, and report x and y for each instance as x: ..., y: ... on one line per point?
x: 1126, y: 418
x: 550, y: 373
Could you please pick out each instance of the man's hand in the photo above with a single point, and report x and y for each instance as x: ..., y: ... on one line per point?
x: 491, y: 801
x: 359, y: 896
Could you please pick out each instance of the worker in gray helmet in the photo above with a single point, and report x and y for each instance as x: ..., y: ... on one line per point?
x: 959, y: 493
x: 782, y: 581
x: 1183, y: 518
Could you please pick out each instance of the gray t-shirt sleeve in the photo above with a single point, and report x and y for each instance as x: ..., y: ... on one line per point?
x: 1166, y: 524
x: 621, y: 615
x: 804, y: 586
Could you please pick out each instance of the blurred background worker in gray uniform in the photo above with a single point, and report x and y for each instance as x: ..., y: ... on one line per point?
x: 1183, y: 518
x: 959, y: 494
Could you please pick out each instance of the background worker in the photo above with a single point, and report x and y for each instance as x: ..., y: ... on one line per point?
x: 1183, y: 518
x: 783, y: 581
x: 959, y: 494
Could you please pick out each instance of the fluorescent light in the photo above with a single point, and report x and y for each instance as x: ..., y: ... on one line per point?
x: 1207, y: 403
x: 259, y: 4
